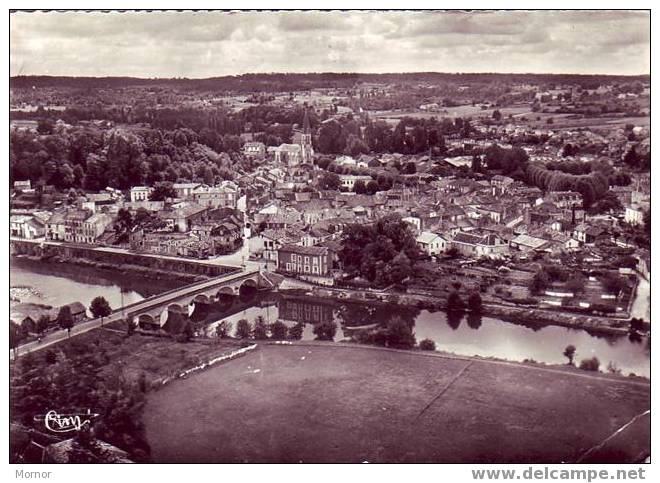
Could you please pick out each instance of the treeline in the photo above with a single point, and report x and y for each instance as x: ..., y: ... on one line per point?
x: 279, y: 82
x: 347, y: 135
x: 91, y: 159
x: 592, y: 186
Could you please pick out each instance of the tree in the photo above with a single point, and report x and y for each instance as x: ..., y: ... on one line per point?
x: 427, y: 345
x: 223, y: 329
x: 329, y: 181
x: 540, y: 282
x: 372, y: 187
x: 400, y: 334
x: 569, y: 353
x: 16, y: 335
x: 162, y: 191
x: 497, y: 115
x: 243, y: 329
x: 359, y: 187
x: 636, y: 324
x: 474, y: 302
x: 476, y: 164
x: 296, y: 332
x: 207, y: 176
x: 370, y: 250
x: 278, y: 330
x: 45, y: 126
x: 42, y: 324
x: 260, y: 331
x: 130, y: 327
x: 100, y: 308
x: 325, y: 330
x: 454, y: 302
x: 65, y: 319
x: 592, y: 364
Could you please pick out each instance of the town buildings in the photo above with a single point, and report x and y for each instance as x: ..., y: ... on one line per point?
x: 304, y: 260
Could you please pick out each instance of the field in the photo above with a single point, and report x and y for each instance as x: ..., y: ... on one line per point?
x: 452, y: 112
x: 322, y: 404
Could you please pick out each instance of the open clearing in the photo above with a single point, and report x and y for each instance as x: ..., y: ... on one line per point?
x: 354, y: 404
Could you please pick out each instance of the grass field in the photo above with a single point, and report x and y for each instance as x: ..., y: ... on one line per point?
x: 355, y: 404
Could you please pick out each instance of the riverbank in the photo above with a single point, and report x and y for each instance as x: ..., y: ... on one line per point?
x: 514, y: 314
x: 161, y: 267
x: 305, y: 404
x: 137, y: 270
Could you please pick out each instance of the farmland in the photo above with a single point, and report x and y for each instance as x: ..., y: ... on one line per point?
x: 353, y: 404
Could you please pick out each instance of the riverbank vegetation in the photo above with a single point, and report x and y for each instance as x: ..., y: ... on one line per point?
x: 108, y: 373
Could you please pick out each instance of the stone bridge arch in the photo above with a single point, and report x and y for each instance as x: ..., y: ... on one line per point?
x: 147, y: 322
x: 248, y: 288
x: 225, y: 291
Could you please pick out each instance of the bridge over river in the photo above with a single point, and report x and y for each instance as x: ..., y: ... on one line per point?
x: 156, y: 309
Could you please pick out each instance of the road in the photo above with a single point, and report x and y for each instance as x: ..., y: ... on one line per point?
x: 641, y: 306
x: 238, y: 259
x: 163, y: 298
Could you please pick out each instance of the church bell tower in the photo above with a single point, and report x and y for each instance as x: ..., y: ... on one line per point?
x: 307, y: 151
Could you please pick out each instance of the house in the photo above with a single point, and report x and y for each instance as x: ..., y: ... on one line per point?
x: 140, y: 193
x: 526, y: 243
x: 269, y: 241
x: 223, y: 235
x: 184, y: 190
x: 415, y: 222
x: 22, y: 186
x: 501, y: 182
x: 635, y: 213
x: 25, y: 226
x: 168, y: 243
x: 297, y: 259
x: 255, y: 150
x: 348, y: 180
x: 55, y: 227
x: 478, y: 245
x: 94, y: 226
x: 181, y: 219
x: 24, y: 321
x: 73, y: 225
x: 314, y: 236
x: 345, y: 161
x: 78, y: 311
x: 588, y: 234
x: 564, y: 199
x: 431, y: 243
x: 223, y: 196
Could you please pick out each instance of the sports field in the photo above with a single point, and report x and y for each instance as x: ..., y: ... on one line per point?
x: 355, y: 404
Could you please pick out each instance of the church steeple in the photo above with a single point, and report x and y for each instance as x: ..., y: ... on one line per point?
x: 306, y: 127
x: 306, y: 141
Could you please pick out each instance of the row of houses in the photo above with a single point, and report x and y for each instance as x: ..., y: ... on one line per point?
x: 224, y: 195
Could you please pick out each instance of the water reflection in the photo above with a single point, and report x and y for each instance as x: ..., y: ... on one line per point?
x: 464, y: 334
x: 457, y: 332
x: 59, y: 284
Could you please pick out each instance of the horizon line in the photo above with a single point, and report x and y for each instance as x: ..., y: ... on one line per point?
x: 325, y: 72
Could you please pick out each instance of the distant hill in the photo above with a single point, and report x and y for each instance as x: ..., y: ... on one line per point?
x: 290, y: 82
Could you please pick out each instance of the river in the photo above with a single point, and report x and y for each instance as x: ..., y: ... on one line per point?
x: 56, y: 284
x: 51, y: 284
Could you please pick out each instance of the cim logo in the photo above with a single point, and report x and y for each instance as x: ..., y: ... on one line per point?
x: 64, y: 423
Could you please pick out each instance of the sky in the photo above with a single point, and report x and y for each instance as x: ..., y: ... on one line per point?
x: 207, y: 44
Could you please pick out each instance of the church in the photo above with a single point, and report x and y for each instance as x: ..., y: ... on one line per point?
x: 301, y: 153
